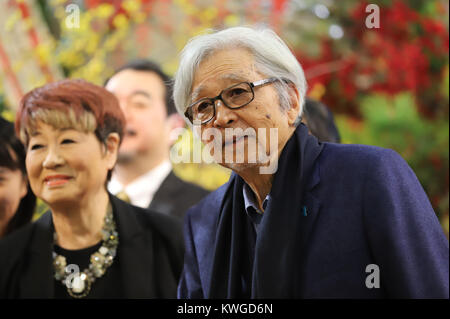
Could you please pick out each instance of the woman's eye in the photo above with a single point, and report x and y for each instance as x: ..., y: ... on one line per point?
x: 36, y: 146
x: 67, y: 141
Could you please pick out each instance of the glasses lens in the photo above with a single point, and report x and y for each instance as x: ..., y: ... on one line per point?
x: 202, y: 110
x: 237, y: 95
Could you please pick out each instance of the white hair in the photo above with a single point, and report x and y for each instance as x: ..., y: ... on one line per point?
x: 272, y: 58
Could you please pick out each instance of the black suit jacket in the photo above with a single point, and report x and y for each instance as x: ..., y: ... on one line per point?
x: 175, y: 196
x: 150, y: 252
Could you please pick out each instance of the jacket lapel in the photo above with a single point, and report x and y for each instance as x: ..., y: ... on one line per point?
x: 37, y: 280
x: 310, y: 207
x: 135, y: 253
x: 164, y: 196
x: 310, y: 211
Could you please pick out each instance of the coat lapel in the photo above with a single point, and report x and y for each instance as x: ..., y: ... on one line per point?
x: 310, y: 207
x: 164, y: 197
x: 135, y: 253
x: 37, y: 280
x: 310, y: 211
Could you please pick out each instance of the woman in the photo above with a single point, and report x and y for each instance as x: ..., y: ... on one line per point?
x: 17, y: 201
x: 90, y: 244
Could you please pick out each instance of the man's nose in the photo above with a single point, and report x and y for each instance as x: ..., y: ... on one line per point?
x: 53, y: 158
x: 224, y: 115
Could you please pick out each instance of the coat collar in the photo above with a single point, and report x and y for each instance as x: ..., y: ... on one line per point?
x: 135, y: 252
x: 37, y: 282
x: 163, y: 198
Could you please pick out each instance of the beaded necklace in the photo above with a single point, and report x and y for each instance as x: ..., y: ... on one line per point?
x: 79, y: 284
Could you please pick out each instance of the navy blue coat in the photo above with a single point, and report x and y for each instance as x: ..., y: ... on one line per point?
x: 364, y: 206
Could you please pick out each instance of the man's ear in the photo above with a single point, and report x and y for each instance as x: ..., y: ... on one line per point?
x: 175, y: 122
x: 294, y: 99
x: 112, y: 147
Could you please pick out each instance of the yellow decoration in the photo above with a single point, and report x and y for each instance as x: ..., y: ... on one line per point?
x: 57, y: 2
x: 12, y: 20
x: 28, y: 23
x: 104, y: 11
x: 139, y: 17
x: 231, y: 20
x: 92, y: 44
x: 445, y: 224
x: 43, y: 52
x: 209, y: 14
x: 8, y: 115
x: 59, y: 13
x: 131, y: 6
x: 120, y: 21
x: 317, y: 91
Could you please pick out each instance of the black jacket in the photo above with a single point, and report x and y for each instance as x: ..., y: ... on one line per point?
x: 150, y: 251
x: 175, y: 196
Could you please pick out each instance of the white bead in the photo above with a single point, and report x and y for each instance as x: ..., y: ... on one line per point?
x: 103, y: 250
x: 78, y: 285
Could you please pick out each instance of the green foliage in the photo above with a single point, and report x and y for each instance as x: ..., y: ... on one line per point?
x: 445, y: 85
x: 2, y: 104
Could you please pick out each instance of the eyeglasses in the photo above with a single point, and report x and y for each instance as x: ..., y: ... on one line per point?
x: 233, y: 97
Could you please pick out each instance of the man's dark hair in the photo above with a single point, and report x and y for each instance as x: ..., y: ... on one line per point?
x: 320, y: 121
x: 12, y: 156
x: 150, y: 66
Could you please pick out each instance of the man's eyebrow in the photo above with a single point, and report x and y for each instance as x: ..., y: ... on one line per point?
x: 196, y: 92
x: 231, y: 76
x: 140, y: 92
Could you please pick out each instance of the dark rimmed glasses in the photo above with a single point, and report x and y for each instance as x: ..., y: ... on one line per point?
x: 233, y: 97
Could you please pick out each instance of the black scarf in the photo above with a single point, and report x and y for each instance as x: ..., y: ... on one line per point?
x: 275, y: 267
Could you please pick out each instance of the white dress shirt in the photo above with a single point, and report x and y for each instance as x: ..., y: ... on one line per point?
x: 142, y: 189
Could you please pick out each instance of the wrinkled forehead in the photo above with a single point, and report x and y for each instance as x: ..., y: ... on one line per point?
x: 223, y: 81
x: 222, y: 69
x: 228, y: 60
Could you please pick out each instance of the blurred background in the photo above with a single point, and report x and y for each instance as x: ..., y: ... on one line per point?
x: 387, y: 86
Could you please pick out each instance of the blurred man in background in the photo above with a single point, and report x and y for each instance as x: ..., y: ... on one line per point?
x: 320, y: 121
x: 143, y: 175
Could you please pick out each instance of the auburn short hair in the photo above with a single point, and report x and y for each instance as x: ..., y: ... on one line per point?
x: 75, y: 104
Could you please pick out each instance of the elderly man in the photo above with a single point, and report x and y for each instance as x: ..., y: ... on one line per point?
x: 331, y: 220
